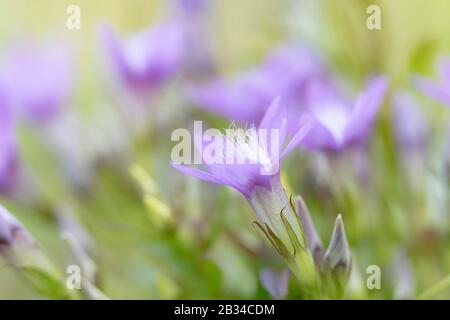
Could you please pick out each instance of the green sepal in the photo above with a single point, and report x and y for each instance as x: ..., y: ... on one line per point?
x: 296, y: 244
x: 274, y: 239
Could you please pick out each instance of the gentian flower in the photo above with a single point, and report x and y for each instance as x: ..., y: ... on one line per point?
x: 257, y: 175
x: 339, y: 123
x: 287, y: 225
x: 437, y: 90
x: 258, y: 179
x: 244, y: 98
x: 8, y: 149
x: 146, y: 60
x: 260, y: 156
x: 38, y: 79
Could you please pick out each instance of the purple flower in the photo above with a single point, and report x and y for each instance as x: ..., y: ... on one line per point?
x: 293, y: 69
x: 244, y: 98
x: 258, y: 155
x: 8, y: 149
x: 438, y: 90
x: 146, y: 60
x: 338, y: 122
x: 192, y: 7
x: 194, y: 18
x: 256, y: 175
x: 38, y: 79
x: 410, y: 125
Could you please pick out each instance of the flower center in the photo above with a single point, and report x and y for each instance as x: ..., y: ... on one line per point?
x: 335, y: 118
x: 251, y: 145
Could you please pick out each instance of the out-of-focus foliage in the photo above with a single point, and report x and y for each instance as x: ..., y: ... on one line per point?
x: 147, y: 232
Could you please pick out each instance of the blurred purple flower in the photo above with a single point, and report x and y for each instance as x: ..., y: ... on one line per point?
x: 261, y: 156
x: 38, y: 79
x: 275, y: 282
x: 446, y: 150
x: 192, y: 7
x: 286, y: 73
x: 12, y: 232
x: 339, y: 123
x: 193, y: 17
x: 8, y: 149
x: 147, y: 59
x: 403, y: 277
x: 410, y: 126
x: 438, y: 90
x: 293, y: 69
x: 242, y: 99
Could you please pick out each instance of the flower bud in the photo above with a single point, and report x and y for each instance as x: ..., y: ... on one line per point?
x: 146, y: 183
x: 338, y: 256
x: 337, y: 262
x: 159, y: 213
x: 312, y: 237
x: 12, y: 233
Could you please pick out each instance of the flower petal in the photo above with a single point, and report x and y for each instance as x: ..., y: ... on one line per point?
x: 242, y: 99
x: 433, y: 89
x: 366, y: 107
x: 275, y: 282
x: 197, y: 173
x: 320, y: 138
x: 274, y: 116
x: 306, y: 123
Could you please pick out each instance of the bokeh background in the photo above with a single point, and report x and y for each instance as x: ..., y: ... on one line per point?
x: 103, y: 168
